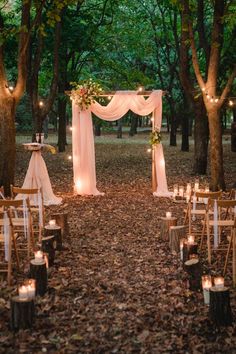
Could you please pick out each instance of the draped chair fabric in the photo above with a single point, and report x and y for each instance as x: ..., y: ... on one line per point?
x: 83, y: 140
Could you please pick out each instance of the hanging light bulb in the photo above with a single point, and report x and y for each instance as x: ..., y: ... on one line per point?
x: 216, y: 100
x: 212, y: 100
x: 149, y: 150
x: 109, y: 98
x: 40, y: 103
x: 231, y: 103
x: 140, y: 89
x: 203, y: 89
x: 71, y: 128
x: 69, y: 157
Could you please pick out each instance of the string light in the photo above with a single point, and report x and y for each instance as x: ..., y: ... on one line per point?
x: 40, y: 103
x: 109, y: 98
x: 140, y: 89
x: 71, y: 129
x: 149, y: 150
x: 212, y: 99
x: 69, y: 157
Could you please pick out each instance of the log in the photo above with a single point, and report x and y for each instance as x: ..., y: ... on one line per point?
x: 62, y: 221
x: 194, y: 269
x: 175, y: 235
x: 220, y: 310
x: 165, y: 227
x: 38, y: 271
x: 49, y: 246
x: 22, y: 313
x: 55, y: 231
x: 188, y: 249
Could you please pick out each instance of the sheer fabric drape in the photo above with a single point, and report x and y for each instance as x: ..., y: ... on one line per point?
x: 83, y: 139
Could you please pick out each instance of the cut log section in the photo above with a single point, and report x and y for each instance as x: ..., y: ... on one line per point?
x: 38, y: 271
x: 176, y: 233
x: 165, y: 225
x: 55, y: 231
x: 194, y: 269
x: 220, y: 309
x: 62, y: 221
x: 49, y: 247
x: 22, y: 313
x: 188, y: 250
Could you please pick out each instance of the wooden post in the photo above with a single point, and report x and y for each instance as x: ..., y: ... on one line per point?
x: 22, y: 313
x: 38, y: 271
x: 49, y: 246
x: 194, y: 269
x: 62, y: 221
x: 220, y: 310
x: 175, y: 235
x: 54, y: 230
x: 165, y: 225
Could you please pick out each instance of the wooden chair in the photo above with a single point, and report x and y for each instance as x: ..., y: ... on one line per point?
x: 22, y: 222
x: 215, y: 216
x: 2, y: 193
x: 36, y: 206
x: 7, y: 233
x: 197, y: 209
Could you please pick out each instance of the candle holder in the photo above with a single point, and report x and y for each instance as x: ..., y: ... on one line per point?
x: 219, y: 282
x: 52, y: 223
x: 38, y: 256
x: 30, y: 284
x: 23, y: 292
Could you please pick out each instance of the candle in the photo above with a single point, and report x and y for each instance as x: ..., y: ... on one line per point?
x: 168, y: 214
x: 219, y: 282
x: 181, y: 246
x: 31, y: 288
x: 188, y: 189
x: 206, y: 191
x: 176, y: 190
x: 23, y: 292
x: 181, y: 191
x: 38, y: 256
x: 196, y: 185
x: 52, y: 222
x: 206, y: 285
x: 190, y: 239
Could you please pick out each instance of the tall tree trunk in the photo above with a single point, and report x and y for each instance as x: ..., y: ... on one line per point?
x: 134, y: 124
x: 201, y: 137
x: 216, y: 150
x: 119, y: 128
x: 7, y: 142
x: 62, y: 124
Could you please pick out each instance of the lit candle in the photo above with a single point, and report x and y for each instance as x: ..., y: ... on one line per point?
x: 206, y: 285
x: 168, y: 214
x: 188, y: 189
x: 181, y: 191
x: 206, y: 191
x: 181, y: 246
x: 31, y: 288
x: 196, y: 185
x: 23, y: 292
x: 38, y: 256
x: 52, y: 222
x: 219, y: 282
x: 190, y: 239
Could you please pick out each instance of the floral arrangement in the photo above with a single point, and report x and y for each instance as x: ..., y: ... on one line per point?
x: 50, y: 148
x: 83, y: 93
x: 155, y: 137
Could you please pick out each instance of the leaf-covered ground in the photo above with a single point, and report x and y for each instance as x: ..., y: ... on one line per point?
x: 116, y: 287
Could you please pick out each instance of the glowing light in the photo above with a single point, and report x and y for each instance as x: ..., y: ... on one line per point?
x: 71, y: 128
x: 216, y: 100
x: 71, y: 98
x: 69, y: 157
x: 149, y: 150
x: 109, y: 98
x: 231, y: 103
x: 211, y: 100
x: 203, y: 89
x: 152, y: 119
x: 78, y: 185
x: 11, y: 88
x: 162, y: 162
x: 208, y: 96
x: 140, y: 89
x: 41, y: 103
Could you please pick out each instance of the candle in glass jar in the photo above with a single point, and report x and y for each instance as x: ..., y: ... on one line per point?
x: 168, y: 214
x: 206, y: 285
x: 23, y: 292
x: 219, y: 282
x: 196, y: 185
x: 31, y: 287
x: 52, y: 222
x: 190, y: 239
x: 188, y: 189
x: 38, y: 256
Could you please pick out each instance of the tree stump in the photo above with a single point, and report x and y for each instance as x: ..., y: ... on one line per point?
x: 49, y: 246
x: 38, y: 271
x: 165, y: 227
x: 220, y: 310
x: 194, y: 269
x: 62, y: 221
x: 175, y: 235
x: 55, y: 231
x: 22, y: 313
x: 188, y: 249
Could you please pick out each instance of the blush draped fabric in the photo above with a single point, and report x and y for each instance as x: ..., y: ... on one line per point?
x: 83, y: 140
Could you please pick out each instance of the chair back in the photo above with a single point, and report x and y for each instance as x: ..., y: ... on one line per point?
x: 212, y: 195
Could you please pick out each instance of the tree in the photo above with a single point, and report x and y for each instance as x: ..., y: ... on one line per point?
x: 214, y: 94
x: 9, y: 99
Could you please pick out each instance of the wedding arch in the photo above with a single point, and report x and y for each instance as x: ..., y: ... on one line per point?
x: 83, y: 139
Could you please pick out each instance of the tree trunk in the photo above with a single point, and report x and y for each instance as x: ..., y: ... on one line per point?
x: 134, y: 124
x: 62, y: 125
x: 97, y: 128
x: 7, y: 142
x: 119, y: 130
x: 185, y: 130
x: 216, y: 150
x: 201, y: 138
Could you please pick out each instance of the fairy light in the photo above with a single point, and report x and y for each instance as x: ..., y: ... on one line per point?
x: 109, y: 98
x: 69, y: 157
x: 212, y: 100
x: 203, y: 89
x: 149, y: 150
x: 216, y: 100
x: 231, y: 103
x: 40, y: 103
x: 11, y: 88
x: 140, y: 89
x: 71, y: 128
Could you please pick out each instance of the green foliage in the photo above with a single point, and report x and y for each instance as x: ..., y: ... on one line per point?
x: 155, y: 137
